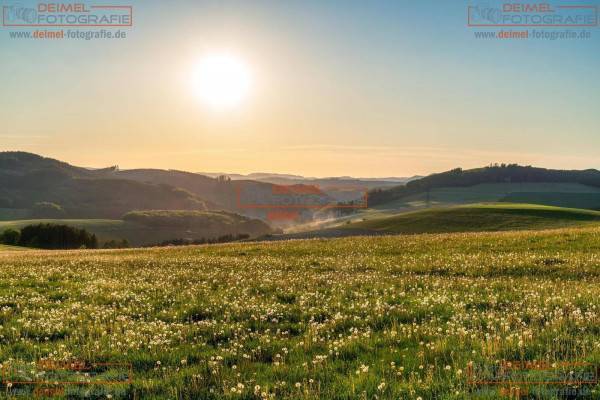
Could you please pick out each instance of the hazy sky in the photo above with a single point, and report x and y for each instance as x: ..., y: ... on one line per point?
x: 363, y: 88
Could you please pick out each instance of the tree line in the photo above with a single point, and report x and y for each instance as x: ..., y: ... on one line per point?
x: 187, y: 242
x: 63, y: 237
x: 494, y: 173
x: 50, y: 236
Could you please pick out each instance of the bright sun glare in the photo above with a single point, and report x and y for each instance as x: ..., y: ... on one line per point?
x: 222, y: 80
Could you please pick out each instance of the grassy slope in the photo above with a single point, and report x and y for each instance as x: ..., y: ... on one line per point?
x: 571, y: 195
x: 407, y: 311
x: 556, y: 194
x: 137, y: 234
x: 105, y: 229
x: 479, y: 217
x: 12, y: 248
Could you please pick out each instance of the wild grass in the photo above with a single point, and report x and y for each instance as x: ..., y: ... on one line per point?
x: 150, y: 228
x: 478, y: 218
x: 397, y: 317
x: 555, y: 194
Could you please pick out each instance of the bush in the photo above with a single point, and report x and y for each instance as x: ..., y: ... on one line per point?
x: 182, y: 218
x: 10, y: 237
x: 52, y: 236
x: 188, y: 242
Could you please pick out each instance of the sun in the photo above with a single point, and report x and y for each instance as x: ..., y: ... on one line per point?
x: 222, y: 80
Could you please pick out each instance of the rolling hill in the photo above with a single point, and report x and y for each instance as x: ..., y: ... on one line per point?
x: 286, y: 179
x: 153, y: 227
x: 220, y: 194
x: 478, y: 218
x: 510, y: 183
x: 33, y: 187
x: 244, y: 196
x: 28, y: 181
x: 572, y: 195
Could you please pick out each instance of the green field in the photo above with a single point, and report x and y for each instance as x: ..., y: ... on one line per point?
x: 394, y: 317
x: 105, y: 229
x: 479, y: 218
x: 151, y: 227
x: 570, y: 195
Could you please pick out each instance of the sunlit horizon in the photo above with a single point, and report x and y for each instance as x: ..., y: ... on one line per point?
x: 303, y: 88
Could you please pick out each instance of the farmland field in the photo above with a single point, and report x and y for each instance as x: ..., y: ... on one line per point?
x: 392, y: 317
x: 479, y: 218
x: 555, y: 194
x: 139, y: 232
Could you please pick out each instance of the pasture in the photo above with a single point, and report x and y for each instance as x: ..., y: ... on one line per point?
x: 353, y: 318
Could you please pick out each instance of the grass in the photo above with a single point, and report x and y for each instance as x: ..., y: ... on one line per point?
x: 144, y: 230
x: 13, y: 248
x: 569, y: 195
x: 572, y: 195
x: 394, y: 317
x: 577, y: 200
x: 478, y: 218
x: 105, y: 229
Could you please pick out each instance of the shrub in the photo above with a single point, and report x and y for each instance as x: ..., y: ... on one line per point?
x: 10, y: 237
x: 53, y: 236
x: 221, y: 239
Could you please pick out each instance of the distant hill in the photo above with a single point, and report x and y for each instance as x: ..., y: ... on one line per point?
x: 570, y: 195
x: 477, y: 218
x: 219, y: 193
x: 32, y: 186
x: 497, y: 174
x: 323, y: 183
x: 30, y: 183
x: 244, y: 196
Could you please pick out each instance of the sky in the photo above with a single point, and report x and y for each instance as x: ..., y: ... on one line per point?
x: 360, y: 88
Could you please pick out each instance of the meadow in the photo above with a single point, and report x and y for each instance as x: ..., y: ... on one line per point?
x: 570, y: 195
x: 394, y: 317
x: 486, y: 217
x: 151, y: 228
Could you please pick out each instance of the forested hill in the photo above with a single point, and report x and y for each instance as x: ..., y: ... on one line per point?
x: 39, y: 187
x: 503, y: 173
